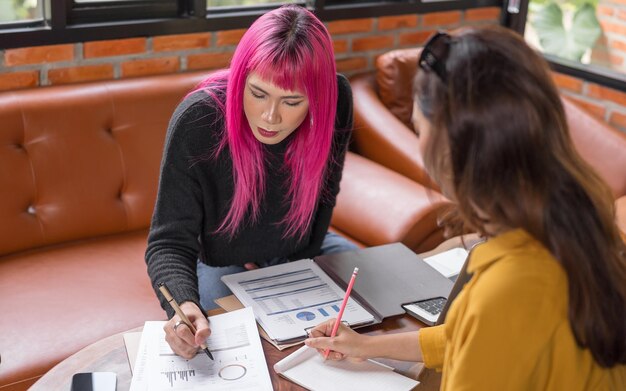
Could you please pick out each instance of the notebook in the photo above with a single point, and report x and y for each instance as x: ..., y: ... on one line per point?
x: 287, y: 299
x: 307, y: 368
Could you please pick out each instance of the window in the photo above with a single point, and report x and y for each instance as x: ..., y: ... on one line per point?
x: 25, y: 23
x: 94, y: 11
x: 243, y: 3
x: 584, y: 38
x: 20, y: 10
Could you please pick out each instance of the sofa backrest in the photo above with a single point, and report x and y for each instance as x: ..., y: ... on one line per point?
x: 395, y: 71
x: 82, y: 160
x: 602, y: 146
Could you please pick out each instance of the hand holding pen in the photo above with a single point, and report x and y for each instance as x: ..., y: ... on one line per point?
x: 333, y: 335
x: 183, y: 337
x: 342, y: 308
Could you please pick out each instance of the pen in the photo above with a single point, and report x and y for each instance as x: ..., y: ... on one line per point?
x: 181, y: 314
x: 343, y: 307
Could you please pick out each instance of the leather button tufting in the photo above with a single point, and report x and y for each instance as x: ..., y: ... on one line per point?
x: 31, y: 210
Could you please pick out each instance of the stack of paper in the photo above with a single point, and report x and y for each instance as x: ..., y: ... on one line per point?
x: 449, y: 263
x: 239, y: 362
x: 287, y: 299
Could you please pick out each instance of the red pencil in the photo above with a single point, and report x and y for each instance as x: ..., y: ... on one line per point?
x: 343, y: 307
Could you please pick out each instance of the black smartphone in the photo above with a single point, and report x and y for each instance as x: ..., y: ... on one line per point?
x: 94, y: 381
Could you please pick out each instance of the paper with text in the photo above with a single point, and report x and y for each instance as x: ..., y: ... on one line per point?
x: 239, y: 362
x: 291, y: 297
x: 307, y: 368
x: 449, y: 263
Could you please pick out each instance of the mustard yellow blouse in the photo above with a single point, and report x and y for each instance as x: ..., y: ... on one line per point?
x: 508, y: 328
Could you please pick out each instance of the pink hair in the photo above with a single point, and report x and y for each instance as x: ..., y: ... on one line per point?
x: 292, y: 49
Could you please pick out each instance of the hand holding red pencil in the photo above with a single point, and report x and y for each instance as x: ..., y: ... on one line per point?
x: 342, y: 308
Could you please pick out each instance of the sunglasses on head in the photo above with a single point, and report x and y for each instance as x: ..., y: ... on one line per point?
x: 434, y: 55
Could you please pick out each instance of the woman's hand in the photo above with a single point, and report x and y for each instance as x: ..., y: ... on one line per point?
x: 251, y: 266
x: 346, y: 343
x: 180, y: 338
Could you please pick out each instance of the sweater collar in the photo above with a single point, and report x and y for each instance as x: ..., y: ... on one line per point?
x: 495, y: 248
x: 281, y: 147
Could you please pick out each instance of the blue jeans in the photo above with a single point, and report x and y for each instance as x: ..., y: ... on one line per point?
x: 211, y: 286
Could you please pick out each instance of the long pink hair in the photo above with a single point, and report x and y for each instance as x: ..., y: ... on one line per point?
x: 292, y: 49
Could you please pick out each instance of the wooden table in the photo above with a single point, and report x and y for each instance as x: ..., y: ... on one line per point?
x: 109, y: 355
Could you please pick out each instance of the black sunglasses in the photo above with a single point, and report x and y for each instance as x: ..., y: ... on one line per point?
x: 434, y: 55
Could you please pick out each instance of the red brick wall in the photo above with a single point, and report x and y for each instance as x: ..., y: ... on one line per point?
x: 357, y: 43
x: 610, y: 50
x: 603, y: 102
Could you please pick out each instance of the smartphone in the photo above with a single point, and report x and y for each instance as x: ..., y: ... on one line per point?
x: 94, y: 381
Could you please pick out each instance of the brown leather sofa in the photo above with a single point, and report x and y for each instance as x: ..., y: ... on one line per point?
x: 383, y: 130
x: 78, y: 178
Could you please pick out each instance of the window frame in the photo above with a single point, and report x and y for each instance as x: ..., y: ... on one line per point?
x: 329, y: 10
x: 92, y: 22
x: 92, y: 12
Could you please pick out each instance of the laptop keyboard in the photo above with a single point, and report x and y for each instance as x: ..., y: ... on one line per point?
x: 433, y: 306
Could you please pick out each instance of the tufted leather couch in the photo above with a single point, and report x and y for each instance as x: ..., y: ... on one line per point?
x: 383, y: 130
x: 78, y: 178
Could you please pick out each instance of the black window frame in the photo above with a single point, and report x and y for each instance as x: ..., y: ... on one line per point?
x: 92, y: 11
x: 329, y: 10
x: 588, y: 72
x: 71, y: 23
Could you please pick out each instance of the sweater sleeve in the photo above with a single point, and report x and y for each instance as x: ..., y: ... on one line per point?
x: 341, y: 141
x: 173, y: 246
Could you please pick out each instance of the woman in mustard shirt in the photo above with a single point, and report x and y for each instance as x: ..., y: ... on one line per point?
x: 546, y: 306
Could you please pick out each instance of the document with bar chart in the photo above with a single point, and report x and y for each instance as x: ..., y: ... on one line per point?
x: 239, y: 362
x: 289, y: 298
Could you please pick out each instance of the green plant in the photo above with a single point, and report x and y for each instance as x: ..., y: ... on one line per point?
x: 570, y: 43
x: 14, y: 10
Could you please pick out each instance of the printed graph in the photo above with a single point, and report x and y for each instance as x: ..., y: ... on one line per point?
x: 175, y: 376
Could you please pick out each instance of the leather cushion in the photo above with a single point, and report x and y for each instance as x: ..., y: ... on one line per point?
x: 395, y: 71
x: 59, y: 300
x: 411, y: 218
x: 83, y: 160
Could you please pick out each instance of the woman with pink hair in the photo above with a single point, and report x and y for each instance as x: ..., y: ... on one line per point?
x: 251, y: 167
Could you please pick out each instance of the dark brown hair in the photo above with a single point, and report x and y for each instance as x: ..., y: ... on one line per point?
x: 499, y: 132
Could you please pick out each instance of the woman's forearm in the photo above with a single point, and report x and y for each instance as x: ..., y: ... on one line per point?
x: 398, y: 346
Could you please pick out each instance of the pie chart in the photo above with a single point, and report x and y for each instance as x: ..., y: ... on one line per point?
x: 305, y: 315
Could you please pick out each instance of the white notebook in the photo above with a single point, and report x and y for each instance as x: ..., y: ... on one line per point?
x: 307, y: 368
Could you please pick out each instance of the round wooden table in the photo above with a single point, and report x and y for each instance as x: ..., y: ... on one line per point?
x: 109, y: 355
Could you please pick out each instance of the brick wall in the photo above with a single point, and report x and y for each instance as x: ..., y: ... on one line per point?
x: 357, y: 42
x: 605, y: 103
x: 610, y: 50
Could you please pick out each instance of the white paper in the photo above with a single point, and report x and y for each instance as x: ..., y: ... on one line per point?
x: 291, y: 297
x: 131, y: 342
x: 239, y: 362
x: 450, y: 262
x: 307, y: 368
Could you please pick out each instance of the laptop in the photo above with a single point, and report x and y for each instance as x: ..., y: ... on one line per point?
x: 452, y: 265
